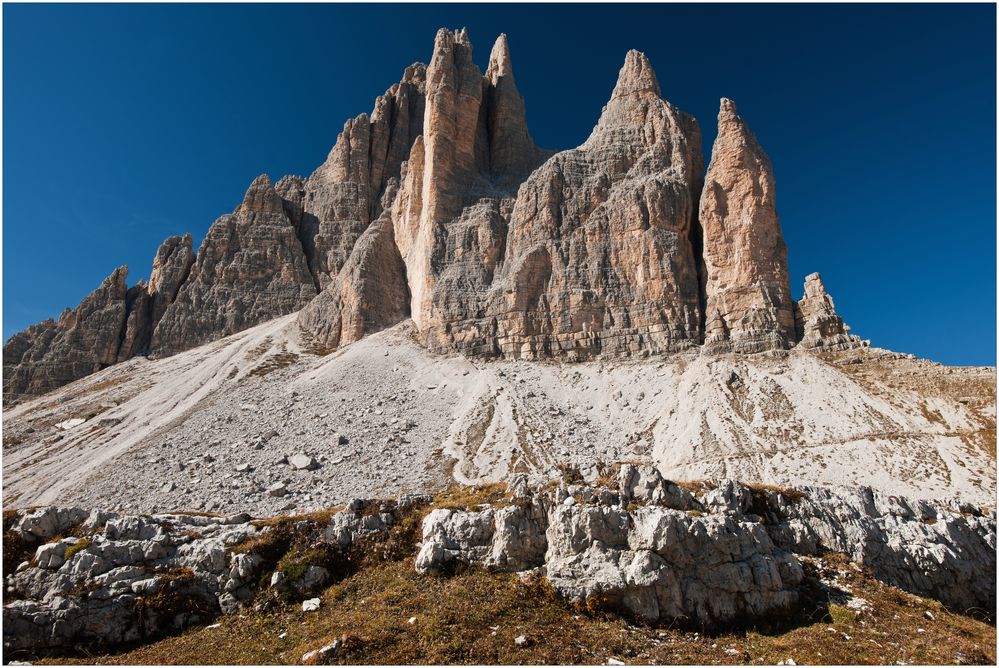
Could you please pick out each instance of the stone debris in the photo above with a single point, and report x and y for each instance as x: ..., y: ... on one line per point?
x: 732, y: 558
x: 303, y: 462
x: 104, y: 591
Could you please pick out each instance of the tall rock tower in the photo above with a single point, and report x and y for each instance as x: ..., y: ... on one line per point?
x: 749, y: 307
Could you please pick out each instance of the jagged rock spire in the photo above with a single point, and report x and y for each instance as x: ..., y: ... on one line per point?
x: 511, y: 149
x: 818, y: 324
x: 250, y: 268
x: 636, y: 77
x: 261, y: 197
x: 475, y: 144
x: 745, y: 257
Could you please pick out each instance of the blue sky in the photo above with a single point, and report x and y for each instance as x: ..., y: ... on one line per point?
x: 124, y: 124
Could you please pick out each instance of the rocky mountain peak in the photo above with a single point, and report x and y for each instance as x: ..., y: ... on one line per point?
x: 437, y: 205
x: 499, y: 60
x: 745, y: 257
x: 636, y: 77
x: 261, y: 197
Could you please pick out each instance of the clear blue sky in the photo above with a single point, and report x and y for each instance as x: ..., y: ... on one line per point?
x: 123, y: 124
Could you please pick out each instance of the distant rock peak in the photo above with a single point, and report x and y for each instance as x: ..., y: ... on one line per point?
x: 636, y: 77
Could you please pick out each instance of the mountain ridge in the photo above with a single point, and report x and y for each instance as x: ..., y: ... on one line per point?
x: 506, y: 249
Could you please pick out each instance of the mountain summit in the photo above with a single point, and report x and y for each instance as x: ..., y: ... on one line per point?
x: 438, y: 206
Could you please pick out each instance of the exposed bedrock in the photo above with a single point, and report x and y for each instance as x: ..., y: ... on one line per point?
x: 749, y: 306
x: 344, y: 195
x: 661, y: 553
x: 641, y: 544
x: 249, y: 269
x: 83, y: 340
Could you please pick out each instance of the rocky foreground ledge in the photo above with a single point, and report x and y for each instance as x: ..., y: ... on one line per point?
x: 707, y: 554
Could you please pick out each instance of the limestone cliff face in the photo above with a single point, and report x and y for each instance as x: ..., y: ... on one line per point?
x: 453, y: 208
x: 344, y: 195
x: 84, y: 340
x: 749, y: 306
x: 250, y: 268
x: 368, y: 294
x: 593, y: 255
x: 818, y: 324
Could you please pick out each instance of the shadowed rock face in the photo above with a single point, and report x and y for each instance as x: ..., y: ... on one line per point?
x: 368, y: 294
x: 344, y: 195
x: 250, y: 268
x: 84, y: 340
x: 749, y: 305
x: 491, y: 245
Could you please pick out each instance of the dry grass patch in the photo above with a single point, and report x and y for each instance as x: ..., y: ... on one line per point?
x: 472, y: 498
x: 789, y: 493
x: 474, y: 616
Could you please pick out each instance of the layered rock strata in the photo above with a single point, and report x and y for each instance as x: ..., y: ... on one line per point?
x: 250, y: 268
x: 369, y: 293
x: 453, y: 209
x: 817, y: 324
x: 748, y: 297
x: 83, y: 340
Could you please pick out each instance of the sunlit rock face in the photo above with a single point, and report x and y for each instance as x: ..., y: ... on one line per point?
x: 749, y: 306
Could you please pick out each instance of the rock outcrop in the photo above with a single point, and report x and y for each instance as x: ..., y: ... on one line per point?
x: 250, y: 268
x: 644, y: 545
x: 128, y: 578
x: 653, y: 549
x: 84, y: 340
x: 344, y: 195
x: 369, y: 293
x: 817, y: 324
x: 749, y: 307
x: 497, y: 247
